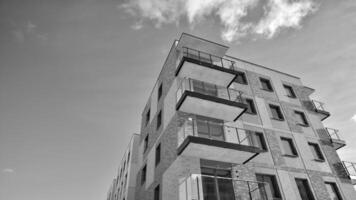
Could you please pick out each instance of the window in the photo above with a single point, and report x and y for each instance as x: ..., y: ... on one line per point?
x: 215, y: 187
x: 145, y: 144
x: 156, y: 193
x: 301, y: 118
x: 266, y: 84
x: 251, y: 109
x: 259, y: 141
x: 289, y: 90
x: 273, y: 185
x: 159, y: 119
x: 304, y: 189
x: 210, y: 128
x: 288, y: 147
x: 160, y: 90
x: 333, y: 191
x: 241, y: 78
x: 148, y: 116
x: 205, y: 88
x: 143, y: 174
x: 276, y: 112
x: 315, y: 149
x: 158, y: 154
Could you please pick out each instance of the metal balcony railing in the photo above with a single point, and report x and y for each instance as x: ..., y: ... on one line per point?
x: 333, y: 133
x: 350, y: 168
x: 216, y: 131
x: 199, y: 187
x: 319, y: 105
x: 188, y: 84
x: 206, y: 58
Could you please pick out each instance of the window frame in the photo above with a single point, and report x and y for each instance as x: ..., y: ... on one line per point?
x: 148, y: 116
x: 268, y: 84
x: 303, y: 117
x: 335, y: 189
x: 290, y: 91
x: 244, y: 78
x: 158, y: 154
x: 251, y: 104
x: 260, y: 136
x: 143, y: 174
x: 306, y: 186
x: 317, y: 154
x: 145, y: 143
x: 159, y: 120
x: 160, y: 91
x: 275, y: 184
x: 156, y: 193
x: 291, y: 145
x: 280, y: 116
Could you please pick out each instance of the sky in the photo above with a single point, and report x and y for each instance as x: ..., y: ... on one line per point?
x: 76, y: 74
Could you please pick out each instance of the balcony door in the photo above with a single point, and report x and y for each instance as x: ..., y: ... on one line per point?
x: 217, y: 184
x: 210, y: 128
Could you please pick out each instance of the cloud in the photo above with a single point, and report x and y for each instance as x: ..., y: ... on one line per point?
x: 277, y: 14
x: 28, y: 31
x: 8, y: 171
x: 354, y: 117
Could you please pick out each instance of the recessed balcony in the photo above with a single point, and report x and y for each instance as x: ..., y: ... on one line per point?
x: 209, y: 100
x: 202, y: 187
x: 335, y: 138
x: 351, y: 170
x: 212, y: 140
x: 205, y: 67
x: 320, y: 109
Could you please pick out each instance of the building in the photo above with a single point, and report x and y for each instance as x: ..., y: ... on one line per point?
x: 123, y: 185
x: 216, y: 127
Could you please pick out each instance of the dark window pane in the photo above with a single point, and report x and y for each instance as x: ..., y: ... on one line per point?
x: 159, y: 119
x: 158, y: 154
x: 226, y: 189
x: 304, y: 189
x: 276, y: 112
x: 316, y: 151
x: 216, y: 131
x: 143, y: 174
x: 266, y: 84
x: 272, y: 183
x: 210, y: 89
x: 333, y: 191
x: 289, y: 90
x: 209, y: 188
x: 160, y: 90
x: 250, y: 106
x: 288, y: 146
x: 148, y: 116
x: 203, y: 128
x: 259, y: 141
x: 156, y: 193
x: 145, y: 145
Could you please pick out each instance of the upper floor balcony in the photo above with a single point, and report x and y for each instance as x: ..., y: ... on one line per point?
x: 209, y: 100
x: 210, y: 139
x: 203, y: 187
x: 319, y: 108
x: 335, y: 138
x: 205, y: 67
x: 351, y: 170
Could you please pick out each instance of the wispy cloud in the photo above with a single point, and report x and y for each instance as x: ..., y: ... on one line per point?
x: 27, y: 31
x: 277, y: 14
x: 8, y: 171
x: 354, y: 117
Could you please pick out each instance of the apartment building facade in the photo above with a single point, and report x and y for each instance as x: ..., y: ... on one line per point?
x: 216, y: 127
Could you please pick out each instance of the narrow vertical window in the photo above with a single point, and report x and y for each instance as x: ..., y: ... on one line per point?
x: 304, y: 189
x: 315, y: 149
x: 156, y: 193
x: 259, y: 141
x: 301, y: 118
x: 148, y: 116
x: 272, y: 183
x: 158, y: 154
x: 159, y: 119
x: 160, y: 91
x: 251, y: 109
x: 333, y: 191
x: 288, y: 147
x: 276, y: 112
x: 145, y: 144
x: 289, y: 90
x: 143, y: 174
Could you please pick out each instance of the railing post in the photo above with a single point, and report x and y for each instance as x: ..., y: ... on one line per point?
x: 238, y: 137
x: 222, y: 64
x: 249, y: 190
x: 228, y: 93
x: 199, y: 56
x: 211, y: 60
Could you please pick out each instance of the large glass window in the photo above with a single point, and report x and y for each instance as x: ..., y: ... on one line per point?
x: 210, y: 128
x: 288, y: 147
x: 304, y: 189
x: 272, y: 183
x: 204, y: 88
x: 333, y: 191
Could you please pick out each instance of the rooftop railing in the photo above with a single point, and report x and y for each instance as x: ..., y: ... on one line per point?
x: 216, y: 131
x: 208, y: 89
x: 319, y: 105
x: 350, y: 168
x: 206, y: 58
x: 333, y: 133
x: 200, y: 187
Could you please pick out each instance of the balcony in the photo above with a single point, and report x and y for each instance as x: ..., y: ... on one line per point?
x: 319, y: 108
x: 209, y: 100
x: 205, y: 67
x: 351, y: 170
x: 202, y: 187
x: 212, y: 140
x: 335, y: 139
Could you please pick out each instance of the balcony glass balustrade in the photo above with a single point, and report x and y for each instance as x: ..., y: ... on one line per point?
x: 320, y: 109
x: 206, y: 187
